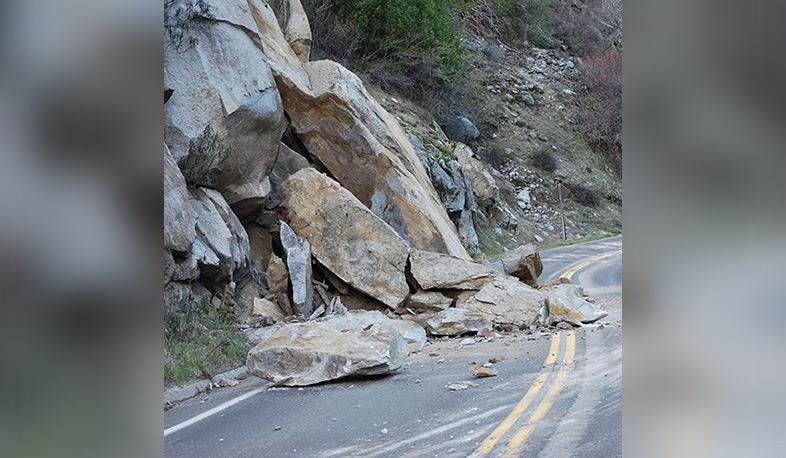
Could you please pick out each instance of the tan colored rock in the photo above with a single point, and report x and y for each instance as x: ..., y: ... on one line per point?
x: 261, y: 242
x: 482, y: 372
x: 505, y: 300
x: 265, y: 308
x: 483, y: 184
x: 428, y: 301
x: 413, y: 333
x: 523, y: 263
x: 439, y: 271
x: 366, y: 150
x: 278, y: 284
x: 567, y: 303
x: 310, y: 353
x: 294, y: 23
x: 453, y: 322
x: 346, y: 237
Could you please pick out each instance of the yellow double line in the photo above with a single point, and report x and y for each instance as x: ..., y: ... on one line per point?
x: 571, y: 272
x: 518, y: 439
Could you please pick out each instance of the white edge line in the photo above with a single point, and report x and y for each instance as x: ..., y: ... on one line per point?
x: 214, y: 410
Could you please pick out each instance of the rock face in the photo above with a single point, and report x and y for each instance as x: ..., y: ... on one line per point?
x: 429, y: 301
x: 222, y: 246
x: 224, y: 120
x: 439, y: 271
x: 366, y: 150
x: 310, y: 353
x: 346, y: 237
x: 294, y: 23
x: 179, y: 231
x: 566, y: 303
x: 483, y: 184
x: 298, y: 253
x: 523, y: 263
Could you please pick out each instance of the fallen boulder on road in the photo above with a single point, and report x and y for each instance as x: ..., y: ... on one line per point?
x: 567, y: 303
x: 435, y: 270
x: 453, y: 322
x: 523, y: 263
x: 309, y: 353
x: 376, y: 321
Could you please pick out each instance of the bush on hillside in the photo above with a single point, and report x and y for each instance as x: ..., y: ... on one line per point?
x: 514, y: 21
x: 585, y: 196
x: 601, y: 104
x: 543, y: 159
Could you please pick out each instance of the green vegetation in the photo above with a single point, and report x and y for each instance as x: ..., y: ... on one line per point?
x: 200, y: 341
x: 531, y: 20
x: 543, y: 159
x: 587, y: 238
x: 388, y: 26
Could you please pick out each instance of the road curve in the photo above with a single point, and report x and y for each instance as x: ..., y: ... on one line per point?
x: 572, y: 410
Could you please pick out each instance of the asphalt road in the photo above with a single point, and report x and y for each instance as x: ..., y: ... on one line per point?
x: 556, y: 394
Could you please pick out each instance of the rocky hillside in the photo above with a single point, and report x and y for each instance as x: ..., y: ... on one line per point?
x: 292, y: 196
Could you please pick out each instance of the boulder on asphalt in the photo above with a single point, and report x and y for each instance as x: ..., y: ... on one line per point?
x: 413, y: 333
x: 429, y: 301
x: 309, y: 353
x: 367, y: 151
x: 346, y: 237
x: 179, y: 230
x: 506, y: 300
x: 453, y: 322
x: 567, y: 303
x: 439, y: 271
x: 523, y: 263
x: 482, y: 371
x: 220, y: 236
x: 224, y: 119
x: 298, y: 255
x: 483, y: 184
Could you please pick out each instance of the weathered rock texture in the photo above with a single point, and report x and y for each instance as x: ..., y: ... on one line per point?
x: 505, y: 300
x: 298, y: 253
x: 366, y: 150
x: 294, y: 23
x: 429, y: 301
x: 483, y: 184
x: 413, y: 333
x: 567, y: 303
x: 523, y: 263
x: 346, y: 237
x: 439, y: 271
x: 179, y: 231
x: 310, y: 353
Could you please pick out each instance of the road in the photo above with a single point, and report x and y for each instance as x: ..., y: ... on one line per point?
x: 556, y: 394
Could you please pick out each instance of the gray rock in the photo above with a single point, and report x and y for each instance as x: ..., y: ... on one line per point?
x: 523, y: 263
x: 453, y: 322
x: 287, y: 163
x: 346, y: 237
x: 461, y: 129
x: 566, y: 303
x: 298, y: 255
x: 505, y: 300
x: 450, y: 193
x: 529, y: 100
x: 523, y: 199
x: 429, y: 301
x: 310, y: 353
x: 413, y: 333
x: 179, y: 230
x: 225, y: 119
x: 220, y: 235
x: 439, y: 271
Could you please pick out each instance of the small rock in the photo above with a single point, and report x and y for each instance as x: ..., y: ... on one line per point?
x: 564, y: 325
x: 225, y: 381
x: 481, y: 372
x: 494, y: 360
x: 384, y: 431
x: 441, y: 360
x: 529, y: 100
x: 277, y: 428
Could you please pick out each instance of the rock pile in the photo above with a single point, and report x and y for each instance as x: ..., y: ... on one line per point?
x: 292, y: 196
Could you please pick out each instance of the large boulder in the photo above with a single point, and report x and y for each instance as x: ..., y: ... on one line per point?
x: 366, y: 150
x: 221, y: 246
x: 224, y: 119
x: 429, y: 301
x: 461, y: 129
x: 439, y: 271
x: 298, y: 254
x: 567, y: 303
x: 179, y: 230
x: 506, y: 300
x: 483, y: 184
x: 413, y: 333
x: 309, y: 353
x: 346, y: 237
x: 453, y: 322
x: 523, y: 263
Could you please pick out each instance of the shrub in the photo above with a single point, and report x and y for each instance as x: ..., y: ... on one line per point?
x: 601, y: 104
x: 543, y: 159
x: 584, y: 195
x: 388, y: 26
x: 512, y: 20
x: 494, y: 155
